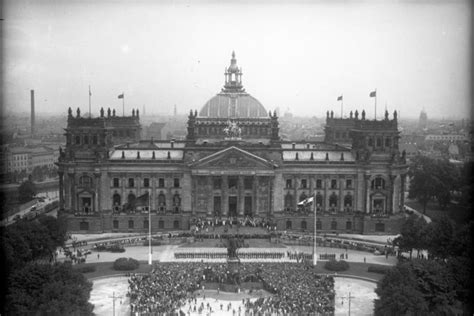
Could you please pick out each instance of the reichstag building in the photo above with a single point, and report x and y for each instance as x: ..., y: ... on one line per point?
x: 232, y: 164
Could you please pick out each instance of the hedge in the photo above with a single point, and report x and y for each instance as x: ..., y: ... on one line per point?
x: 86, y: 268
x: 337, y: 266
x: 126, y: 264
x: 379, y: 269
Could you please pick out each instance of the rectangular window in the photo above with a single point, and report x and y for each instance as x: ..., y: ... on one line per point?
x: 349, y: 184
x: 94, y: 139
x: 161, y: 182
x: 319, y: 184
x: 379, y: 142
x: 232, y: 182
x: 333, y: 184
x: 217, y: 183
x: 176, y: 182
x: 161, y: 224
x: 248, y: 183
x: 304, y: 183
x: 130, y: 224
x: 388, y: 142
x: 146, y: 182
x: 131, y: 182
x: 116, y: 183
x: 289, y: 184
x: 116, y: 224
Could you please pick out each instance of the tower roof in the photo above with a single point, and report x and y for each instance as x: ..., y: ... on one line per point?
x: 233, y: 101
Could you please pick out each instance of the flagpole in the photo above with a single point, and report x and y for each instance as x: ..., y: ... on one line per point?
x: 89, y: 101
x: 150, y: 255
x: 123, y: 104
x: 342, y: 104
x: 375, y: 103
x: 315, y: 259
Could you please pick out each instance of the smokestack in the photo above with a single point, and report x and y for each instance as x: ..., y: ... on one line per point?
x: 32, y: 112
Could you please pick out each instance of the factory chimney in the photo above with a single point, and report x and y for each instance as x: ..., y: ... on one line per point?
x: 32, y: 112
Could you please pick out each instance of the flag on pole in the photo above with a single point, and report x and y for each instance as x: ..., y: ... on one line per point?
x: 142, y: 200
x: 120, y: 96
x: 373, y: 94
x: 339, y: 98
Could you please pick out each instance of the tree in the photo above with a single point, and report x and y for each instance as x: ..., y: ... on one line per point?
x: 43, y: 289
x: 417, y: 287
x: 431, y: 178
x: 26, y: 191
x: 439, y: 237
x: 412, y: 235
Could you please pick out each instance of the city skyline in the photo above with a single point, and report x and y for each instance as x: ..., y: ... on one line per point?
x: 300, y: 57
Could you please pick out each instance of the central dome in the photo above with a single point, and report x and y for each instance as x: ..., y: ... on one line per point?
x: 233, y: 101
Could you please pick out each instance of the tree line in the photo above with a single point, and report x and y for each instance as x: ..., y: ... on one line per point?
x: 441, y: 181
x: 436, y: 284
x: 33, y: 282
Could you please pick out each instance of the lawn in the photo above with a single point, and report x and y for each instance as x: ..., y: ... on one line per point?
x: 106, y: 269
x: 459, y: 214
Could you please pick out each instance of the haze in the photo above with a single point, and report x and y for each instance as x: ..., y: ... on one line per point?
x: 296, y: 56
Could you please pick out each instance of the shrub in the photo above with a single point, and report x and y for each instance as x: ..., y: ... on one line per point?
x: 86, y: 268
x: 126, y: 264
x: 334, y: 265
x: 116, y: 248
x: 153, y: 243
x: 378, y: 269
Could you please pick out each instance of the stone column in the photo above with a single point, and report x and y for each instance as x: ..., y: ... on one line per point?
x: 72, y: 193
x: 61, y: 190
x: 326, y: 181
x: 194, y: 195
x: 240, y: 196
x: 391, y: 194
x: 225, y: 196
x: 97, y: 193
x: 341, y: 194
x: 367, y: 193
x: 210, y: 196
x: 153, y: 196
x: 270, y: 189
x: 402, y: 191
x: 295, y: 193
x: 255, y: 195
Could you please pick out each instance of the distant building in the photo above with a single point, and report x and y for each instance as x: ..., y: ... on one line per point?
x: 233, y: 163
x: 423, y: 120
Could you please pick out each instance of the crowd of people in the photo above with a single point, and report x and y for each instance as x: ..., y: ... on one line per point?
x: 295, y: 289
x: 204, y: 224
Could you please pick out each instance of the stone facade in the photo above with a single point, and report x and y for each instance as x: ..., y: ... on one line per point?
x: 232, y: 166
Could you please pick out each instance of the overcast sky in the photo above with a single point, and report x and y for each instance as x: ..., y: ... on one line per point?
x: 298, y: 56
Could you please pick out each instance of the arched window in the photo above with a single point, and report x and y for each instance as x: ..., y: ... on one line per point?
x: 131, y: 198
x: 303, y: 196
x: 85, y: 181
x: 319, y: 200
x: 78, y: 140
x: 161, y: 199
x: 318, y: 225
x: 333, y: 225
x: 116, y: 200
x: 348, y: 200
x: 176, y: 224
x: 378, y: 183
x: 333, y: 200
x: 303, y: 225
x: 288, y: 224
x: 288, y: 200
x: 176, y: 200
